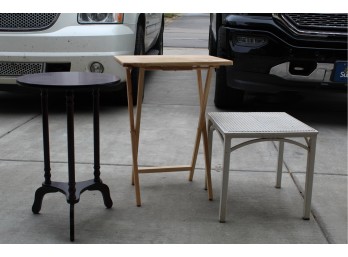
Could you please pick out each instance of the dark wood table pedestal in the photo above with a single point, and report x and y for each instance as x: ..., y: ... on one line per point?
x: 72, y: 189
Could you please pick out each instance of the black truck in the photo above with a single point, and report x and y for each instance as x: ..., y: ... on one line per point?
x: 278, y: 52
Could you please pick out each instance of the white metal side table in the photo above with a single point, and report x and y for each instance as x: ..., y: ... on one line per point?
x: 173, y: 63
x: 258, y: 127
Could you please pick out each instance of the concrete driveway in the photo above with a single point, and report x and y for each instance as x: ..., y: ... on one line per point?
x: 174, y: 210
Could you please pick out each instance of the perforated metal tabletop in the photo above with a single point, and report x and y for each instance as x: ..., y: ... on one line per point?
x: 259, y: 124
x: 259, y: 127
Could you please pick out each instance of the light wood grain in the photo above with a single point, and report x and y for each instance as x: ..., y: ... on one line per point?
x: 171, y: 62
x: 164, y: 169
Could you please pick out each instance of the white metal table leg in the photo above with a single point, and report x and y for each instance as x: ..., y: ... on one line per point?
x: 309, y: 177
x: 280, y: 164
x: 225, y: 175
x: 210, y: 148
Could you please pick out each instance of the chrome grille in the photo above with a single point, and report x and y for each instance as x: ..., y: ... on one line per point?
x: 317, y: 23
x: 20, y: 68
x: 26, y: 21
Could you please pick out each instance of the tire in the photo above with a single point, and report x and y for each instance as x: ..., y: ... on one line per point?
x: 159, y: 43
x: 226, y: 97
x: 139, y: 49
x: 212, y: 43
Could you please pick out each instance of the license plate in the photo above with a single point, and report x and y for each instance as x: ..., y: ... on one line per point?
x: 340, y: 72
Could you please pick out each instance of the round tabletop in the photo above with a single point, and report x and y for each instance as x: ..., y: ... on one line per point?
x: 68, y: 80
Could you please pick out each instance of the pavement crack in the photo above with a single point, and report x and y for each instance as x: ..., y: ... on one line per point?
x: 18, y: 126
x: 315, y: 213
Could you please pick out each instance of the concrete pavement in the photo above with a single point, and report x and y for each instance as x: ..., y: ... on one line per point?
x: 174, y: 210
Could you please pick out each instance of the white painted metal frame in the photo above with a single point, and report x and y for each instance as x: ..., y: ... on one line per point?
x: 262, y: 127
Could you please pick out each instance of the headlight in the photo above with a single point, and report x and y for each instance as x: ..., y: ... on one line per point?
x: 95, y: 18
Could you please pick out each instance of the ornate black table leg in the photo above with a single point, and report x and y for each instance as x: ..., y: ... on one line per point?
x: 69, y: 81
x: 39, y: 195
x: 40, y: 192
x: 72, y: 222
x: 96, y: 133
x: 71, y: 158
x: 99, y: 185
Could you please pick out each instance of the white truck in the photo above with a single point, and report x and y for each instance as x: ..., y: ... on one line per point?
x: 53, y: 42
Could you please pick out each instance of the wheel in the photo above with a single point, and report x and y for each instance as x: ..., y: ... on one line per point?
x: 226, y: 97
x: 214, y: 26
x: 138, y: 50
x: 159, y: 43
x: 212, y: 43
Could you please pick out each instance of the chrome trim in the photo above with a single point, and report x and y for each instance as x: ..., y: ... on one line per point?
x: 321, y: 74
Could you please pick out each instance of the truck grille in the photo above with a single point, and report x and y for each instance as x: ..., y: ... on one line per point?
x: 20, y: 68
x: 26, y: 21
x: 317, y: 23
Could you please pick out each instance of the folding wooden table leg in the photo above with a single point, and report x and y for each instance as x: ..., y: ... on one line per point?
x: 135, y: 127
x: 203, y: 96
x: 198, y: 133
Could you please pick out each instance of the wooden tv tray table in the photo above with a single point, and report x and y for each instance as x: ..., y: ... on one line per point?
x: 174, y: 63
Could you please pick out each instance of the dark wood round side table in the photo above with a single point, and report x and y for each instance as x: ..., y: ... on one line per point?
x: 70, y: 82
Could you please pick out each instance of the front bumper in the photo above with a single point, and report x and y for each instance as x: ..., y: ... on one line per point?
x: 67, y: 46
x: 67, y: 63
x: 284, y: 61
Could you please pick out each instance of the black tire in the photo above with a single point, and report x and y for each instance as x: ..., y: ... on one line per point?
x: 226, y: 97
x: 212, y: 43
x: 159, y: 43
x: 139, y: 49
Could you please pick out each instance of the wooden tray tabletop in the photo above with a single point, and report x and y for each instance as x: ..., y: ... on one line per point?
x: 164, y: 62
